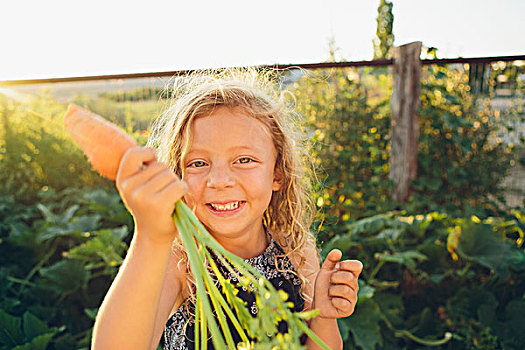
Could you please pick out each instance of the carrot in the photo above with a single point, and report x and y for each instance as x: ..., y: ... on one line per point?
x: 102, y: 141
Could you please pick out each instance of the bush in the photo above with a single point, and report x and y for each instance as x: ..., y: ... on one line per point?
x: 57, y: 260
x: 462, y: 157
x: 436, y: 280
x: 36, y: 152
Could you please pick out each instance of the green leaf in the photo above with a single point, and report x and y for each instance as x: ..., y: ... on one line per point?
x: 515, y: 319
x: 37, y: 343
x: 364, y: 325
x: 32, y: 326
x: 468, y: 301
x: 10, y: 330
x: 66, y: 275
x: 105, y: 245
x: 391, y: 306
x: 46, y: 213
x: 91, y: 313
x: 407, y: 258
x: 365, y: 291
x: 371, y: 225
x: 479, y: 243
x: 79, y: 224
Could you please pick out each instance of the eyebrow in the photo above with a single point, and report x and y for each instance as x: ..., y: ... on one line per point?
x: 234, y: 148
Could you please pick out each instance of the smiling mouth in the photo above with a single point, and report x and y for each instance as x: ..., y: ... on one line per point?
x: 226, y: 206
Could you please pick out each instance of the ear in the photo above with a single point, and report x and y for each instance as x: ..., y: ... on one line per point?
x: 277, y: 179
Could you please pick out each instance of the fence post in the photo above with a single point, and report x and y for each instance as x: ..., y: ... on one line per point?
x: 406, y: 74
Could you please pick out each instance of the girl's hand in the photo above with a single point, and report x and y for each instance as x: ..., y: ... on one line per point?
x: 149, y: 190
x: 335, y: 291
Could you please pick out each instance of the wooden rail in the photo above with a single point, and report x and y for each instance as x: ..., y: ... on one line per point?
x: 323, y: 65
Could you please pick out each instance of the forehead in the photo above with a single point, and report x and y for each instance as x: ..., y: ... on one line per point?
x: 227, y: 128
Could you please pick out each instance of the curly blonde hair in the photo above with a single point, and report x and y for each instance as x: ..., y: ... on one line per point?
x: 256, y: 93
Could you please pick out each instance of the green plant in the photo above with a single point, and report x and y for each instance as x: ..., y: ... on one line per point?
x: 436, y: 281
x: 56, y: 262
x: 462, y: 157
x: 36, y: 153
x: 349, y: 127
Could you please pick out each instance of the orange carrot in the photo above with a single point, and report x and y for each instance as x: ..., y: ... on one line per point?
x: 102, y: 141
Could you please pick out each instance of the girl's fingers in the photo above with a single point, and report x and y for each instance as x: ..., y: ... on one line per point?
x: 343, y: 305
x: 331, y: 260
x: 132, y: 188
x: 341, y: 291
x: 133, y: 160
x: 353, y: 266
x: 174, y: 190
x: 344, y: 278
x: 155, y: 178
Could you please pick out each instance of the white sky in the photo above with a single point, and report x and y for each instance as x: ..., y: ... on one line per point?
x: 57, y: 38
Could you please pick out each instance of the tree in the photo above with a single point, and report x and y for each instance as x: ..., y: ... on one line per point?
x: 385, y: 38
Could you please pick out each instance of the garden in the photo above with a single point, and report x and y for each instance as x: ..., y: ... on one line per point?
x: 444, y: 269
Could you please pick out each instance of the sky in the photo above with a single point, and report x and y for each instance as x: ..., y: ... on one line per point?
x: 56, y: 38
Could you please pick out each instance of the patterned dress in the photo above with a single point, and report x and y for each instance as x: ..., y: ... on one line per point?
x: 180, y: 328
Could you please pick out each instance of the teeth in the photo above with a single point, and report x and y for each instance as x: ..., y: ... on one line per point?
x: 228, y: 206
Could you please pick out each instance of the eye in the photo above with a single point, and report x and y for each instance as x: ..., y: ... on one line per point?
x: 197, y: 164
x: 244, y: 160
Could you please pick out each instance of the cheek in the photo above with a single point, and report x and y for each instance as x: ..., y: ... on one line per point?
x: 194, y: 189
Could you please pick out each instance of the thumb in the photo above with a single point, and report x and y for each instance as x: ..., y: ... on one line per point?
x: 331, y: 260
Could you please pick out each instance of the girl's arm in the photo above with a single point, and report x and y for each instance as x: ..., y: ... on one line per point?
x: 171, y: 296
x: 334, y: 290
x: 127, y: 316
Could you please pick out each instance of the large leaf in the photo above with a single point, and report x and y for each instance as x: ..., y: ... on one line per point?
x: 364, y: 325
x: 32, y: 326
x: 105, y: 245
x: 371, y: 225
x: 10, y: 332
x: 408, y: 258
x: 479, y: 243
x: 77, y: 225
x: 66, y: 275
x: 467, y: 302
x: 38, y: 343
x: 33, y: 335
x: 515, y: 319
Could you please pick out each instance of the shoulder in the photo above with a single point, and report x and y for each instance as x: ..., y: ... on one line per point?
x: 306, y: 262
x: 305, y: 257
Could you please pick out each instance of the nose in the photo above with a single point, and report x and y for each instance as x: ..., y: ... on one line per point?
x: 220, y: 177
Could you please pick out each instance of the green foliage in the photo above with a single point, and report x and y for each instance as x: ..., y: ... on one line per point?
x: 26, y: 333
x: 462, y: 157
x: 36, y: 152
x: 348, y: 128
x: 56, y: 263
x: 446, y: 279
x: 419, y: 295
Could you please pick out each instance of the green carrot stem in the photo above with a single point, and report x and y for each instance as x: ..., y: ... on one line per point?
x: 208, y: 240
x: 213, y: 292
x: 197, y: 321
x: 223, y: 302
x: 198, y: 271
x: 236, y: 265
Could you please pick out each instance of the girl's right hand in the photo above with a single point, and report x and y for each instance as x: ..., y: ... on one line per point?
x: 149, y: 190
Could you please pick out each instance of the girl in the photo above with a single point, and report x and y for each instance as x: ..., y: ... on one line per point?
x: 226, y: 148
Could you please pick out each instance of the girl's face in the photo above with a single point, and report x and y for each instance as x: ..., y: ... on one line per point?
x: 229, y: 170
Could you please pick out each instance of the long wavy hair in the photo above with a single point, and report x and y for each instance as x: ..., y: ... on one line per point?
x: 258, y: 94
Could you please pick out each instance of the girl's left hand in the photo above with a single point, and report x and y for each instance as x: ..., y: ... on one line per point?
x: 335, y: 291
